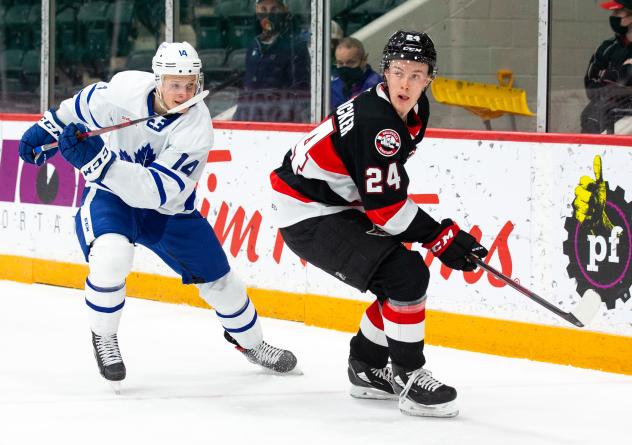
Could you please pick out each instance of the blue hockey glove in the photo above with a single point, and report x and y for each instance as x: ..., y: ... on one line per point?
x: 47, y: 130
x: 89, y: 155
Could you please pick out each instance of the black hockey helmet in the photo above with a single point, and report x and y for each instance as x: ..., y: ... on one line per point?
x: 410, y: 45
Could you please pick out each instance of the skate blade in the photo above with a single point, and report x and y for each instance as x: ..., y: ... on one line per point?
x: 294, y: 371
x: 412, y: 408
x: 116, y: 386
x: 362, y: 392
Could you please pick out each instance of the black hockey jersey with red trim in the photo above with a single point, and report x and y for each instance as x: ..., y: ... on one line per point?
x: 355, y: 159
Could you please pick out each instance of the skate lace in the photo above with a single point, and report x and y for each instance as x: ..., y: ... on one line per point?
x: 108, y: 349
x: 267, y: 354
x: 383, y: 373
x: 423, y: 378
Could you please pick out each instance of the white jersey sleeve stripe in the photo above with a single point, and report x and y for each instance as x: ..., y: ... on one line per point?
x: 168, y: 172
x: 160, y: 186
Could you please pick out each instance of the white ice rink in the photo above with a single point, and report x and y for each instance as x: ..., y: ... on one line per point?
x: 186, y: 385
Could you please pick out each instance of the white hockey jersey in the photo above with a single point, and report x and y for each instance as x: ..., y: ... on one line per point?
x: 159, y: 161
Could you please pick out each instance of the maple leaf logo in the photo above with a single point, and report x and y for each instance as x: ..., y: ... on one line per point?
x: 125, y: 156
x: 144, y: 155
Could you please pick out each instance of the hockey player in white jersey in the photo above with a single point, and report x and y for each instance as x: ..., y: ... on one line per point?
x: 140, y: 189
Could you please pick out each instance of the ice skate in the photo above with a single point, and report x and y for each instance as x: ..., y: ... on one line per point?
x: 109, y: 360
x: 270, y: 357
x: 371, y: 383
x: 423, y: 395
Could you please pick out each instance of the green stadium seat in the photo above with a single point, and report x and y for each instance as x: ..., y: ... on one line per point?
x: 12, y: 69
x: 139, y: 60
x: 93, y: 20
x: 120, y: 16
x: 18, y: 30
x: 67, y: 43
x: 31, y: 69
x: 237, y: 60
x: 240, y: 36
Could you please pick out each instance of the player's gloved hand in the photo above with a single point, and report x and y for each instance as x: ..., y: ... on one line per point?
x: 45, y: 131
x: 89, y: 155
x: 590, y: 200
x: 452, y: 246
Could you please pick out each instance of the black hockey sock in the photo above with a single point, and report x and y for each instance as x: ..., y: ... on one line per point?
x: 365, y: 350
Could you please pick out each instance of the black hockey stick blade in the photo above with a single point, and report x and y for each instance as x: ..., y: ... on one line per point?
x: 580, y: 316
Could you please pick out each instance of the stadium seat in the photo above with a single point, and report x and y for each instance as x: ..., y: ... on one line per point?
x: 299, y: 7
x: 237, y: 60
x: 67, y: 37
x: 120, y: 16
x: 213, y: 65
x: 12, y: 69
x: 337, y: 6
x: 240, y: 36
x: 93, y: 18
x: 31, y: 69
x: 35, y: 22
x: 210, y: 37
x: 18, y: 30
x: 139, y: 60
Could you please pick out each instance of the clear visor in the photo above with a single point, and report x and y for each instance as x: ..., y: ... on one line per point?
x: 188, y: 85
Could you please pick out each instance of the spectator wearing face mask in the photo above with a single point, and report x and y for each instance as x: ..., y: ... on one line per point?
x: 277, y: 77
x: 353, y: 74
x: 609, y: 74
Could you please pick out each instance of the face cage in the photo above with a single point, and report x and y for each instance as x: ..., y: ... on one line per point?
x: 388, y: 58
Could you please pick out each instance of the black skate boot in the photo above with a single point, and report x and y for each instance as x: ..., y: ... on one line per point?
x: 109, y: 360
x: 423, y: 395
x: 370, y: 383
x: 276, y: 359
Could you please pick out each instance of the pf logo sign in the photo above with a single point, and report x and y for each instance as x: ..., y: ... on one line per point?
x: 599, y: 244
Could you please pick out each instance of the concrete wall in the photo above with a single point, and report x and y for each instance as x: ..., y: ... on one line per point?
x: 476, y: 38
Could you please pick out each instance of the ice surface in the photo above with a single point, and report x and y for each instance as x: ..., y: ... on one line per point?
x: 186, y: 385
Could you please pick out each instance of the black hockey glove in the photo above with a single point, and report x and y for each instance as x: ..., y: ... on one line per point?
x: 452, y: 246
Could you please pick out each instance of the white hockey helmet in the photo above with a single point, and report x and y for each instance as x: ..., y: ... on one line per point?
x: 179, y: 59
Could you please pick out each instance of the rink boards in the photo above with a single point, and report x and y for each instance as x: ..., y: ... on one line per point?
x: 513, y: 191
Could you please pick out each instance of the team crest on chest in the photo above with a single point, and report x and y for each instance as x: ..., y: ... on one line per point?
x: 388, y: 142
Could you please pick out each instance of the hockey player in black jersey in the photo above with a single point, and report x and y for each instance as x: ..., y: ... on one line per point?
x: 341, y: 202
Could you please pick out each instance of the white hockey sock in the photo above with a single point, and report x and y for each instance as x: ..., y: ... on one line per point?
x: 105, y: 307
x: 234, y: 309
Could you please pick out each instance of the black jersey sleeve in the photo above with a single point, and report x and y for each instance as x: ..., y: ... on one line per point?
x: 382, y: 181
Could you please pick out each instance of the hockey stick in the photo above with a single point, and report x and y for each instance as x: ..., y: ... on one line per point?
x: 583, y: 313
x: 183, y: 106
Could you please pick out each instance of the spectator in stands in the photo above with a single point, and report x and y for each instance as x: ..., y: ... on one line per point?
x: 277, y: 77
x: 609, y: 75
x: 353, y: 74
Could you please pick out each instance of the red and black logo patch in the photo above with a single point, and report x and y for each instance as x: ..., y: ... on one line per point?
x: 388, y: 142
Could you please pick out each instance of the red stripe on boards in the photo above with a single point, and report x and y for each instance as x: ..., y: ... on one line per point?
x: 404, y: 314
